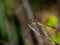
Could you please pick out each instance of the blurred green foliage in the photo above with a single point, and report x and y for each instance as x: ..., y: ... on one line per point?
x: 2, y: 19
x: 5, y: 6
x: 10, y: 4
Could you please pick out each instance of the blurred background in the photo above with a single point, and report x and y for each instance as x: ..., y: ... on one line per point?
x: 15, y: 15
